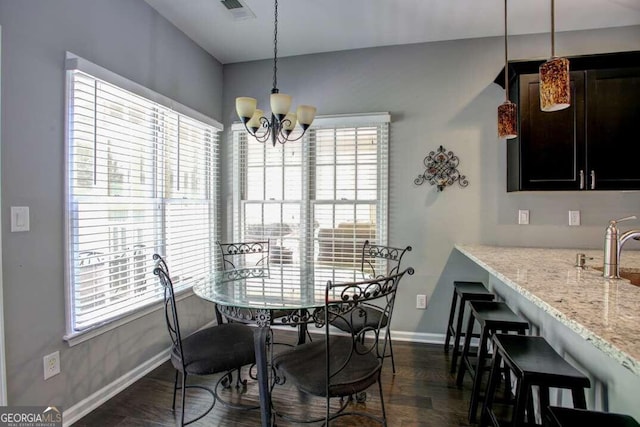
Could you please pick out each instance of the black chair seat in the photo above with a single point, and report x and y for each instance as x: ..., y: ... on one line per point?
x: 534, y: 363
x: 471, y: 289
x: 222, y: 348
x: 369, y: 317
x: 569, y: 417
x: 496, y: 315
x: 216, y: 349
x: 535, y: 358
x: 360, y: 372
x: 343, y: 364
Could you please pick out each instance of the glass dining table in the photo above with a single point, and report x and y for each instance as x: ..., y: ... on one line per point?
x: 282, y: 294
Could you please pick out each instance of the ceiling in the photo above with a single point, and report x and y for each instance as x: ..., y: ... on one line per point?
x: 312, y: 26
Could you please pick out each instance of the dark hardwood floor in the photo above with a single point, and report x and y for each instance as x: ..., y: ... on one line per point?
x: 422, y: 393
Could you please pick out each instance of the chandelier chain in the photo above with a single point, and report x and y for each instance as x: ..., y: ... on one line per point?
x: 506, y: 55
x: 553, y: 30
x: 275, y: 47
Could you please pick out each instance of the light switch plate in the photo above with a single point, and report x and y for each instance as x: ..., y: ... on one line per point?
x: 19, y: 218
x: 523, y: 217
x: 421, y: 301
x: 574, y: 218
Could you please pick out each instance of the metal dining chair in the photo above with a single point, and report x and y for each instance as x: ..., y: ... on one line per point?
x: 372, y: 260
x: 244, y: 254
x: 222, y: 348
x: 344, y: 365
x: 237, y: 255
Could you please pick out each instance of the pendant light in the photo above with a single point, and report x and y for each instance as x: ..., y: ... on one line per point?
x: 282, y: 122
x: 508, y: 111
x: 555, y: 88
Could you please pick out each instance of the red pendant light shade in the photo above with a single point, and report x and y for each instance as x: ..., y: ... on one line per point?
x: 555, y: 85
x: 508, y: 111
x: 555, y: 93
x: 508, y: 120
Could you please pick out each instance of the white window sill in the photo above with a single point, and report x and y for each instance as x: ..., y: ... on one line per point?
x: 78, y: 337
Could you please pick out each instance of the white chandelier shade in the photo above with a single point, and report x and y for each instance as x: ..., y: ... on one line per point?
x: 278, y: 129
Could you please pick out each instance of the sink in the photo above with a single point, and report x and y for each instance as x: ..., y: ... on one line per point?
x: 631, y: 274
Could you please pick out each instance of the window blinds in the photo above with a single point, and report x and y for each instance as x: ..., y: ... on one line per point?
x: 319, y: 199
x: 142, y: 178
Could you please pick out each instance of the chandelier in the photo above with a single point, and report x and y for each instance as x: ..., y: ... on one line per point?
x: 282, y: 122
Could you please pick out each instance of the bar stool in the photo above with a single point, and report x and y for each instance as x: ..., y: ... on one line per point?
x: 568, y: 417
x: 533, y: 362
x: 493, y: 317
x: 465, y: 291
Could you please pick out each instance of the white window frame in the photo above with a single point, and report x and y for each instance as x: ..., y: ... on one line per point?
x: 308, y: 201
x: 154, y: 300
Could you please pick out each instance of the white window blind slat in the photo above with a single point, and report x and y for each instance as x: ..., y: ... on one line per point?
x: 142, y: 178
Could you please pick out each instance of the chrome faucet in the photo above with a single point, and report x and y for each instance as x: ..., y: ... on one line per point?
x: 613, y: 246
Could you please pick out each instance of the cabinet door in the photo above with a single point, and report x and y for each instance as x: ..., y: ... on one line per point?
x: 613, y: 129
x: 551, y: 143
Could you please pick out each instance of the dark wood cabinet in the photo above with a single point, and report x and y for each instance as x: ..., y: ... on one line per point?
x: 613, y: 129
x: 592, y: 145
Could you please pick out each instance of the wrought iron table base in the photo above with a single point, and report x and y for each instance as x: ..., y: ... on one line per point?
x: 262, y: 341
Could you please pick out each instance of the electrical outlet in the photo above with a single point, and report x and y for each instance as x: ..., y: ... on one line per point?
x: 421, y: 301
x: 574, y: 217
x: 523, y: 217
x: 51, y: 364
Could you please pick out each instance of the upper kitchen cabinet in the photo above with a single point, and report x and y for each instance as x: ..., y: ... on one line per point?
x: 613, y: 121
x: 593, y: 144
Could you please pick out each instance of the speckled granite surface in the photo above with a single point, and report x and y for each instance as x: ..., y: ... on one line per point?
x: 605, y: 312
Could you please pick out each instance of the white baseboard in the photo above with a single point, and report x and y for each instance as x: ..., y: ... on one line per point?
x: 421, y: 337
x: 82, y: 408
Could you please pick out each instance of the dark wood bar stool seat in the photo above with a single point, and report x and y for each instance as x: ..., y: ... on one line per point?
x: 533, y: 362
x: 569, y: 417
x: 493, y: 316
x: 462, y: 291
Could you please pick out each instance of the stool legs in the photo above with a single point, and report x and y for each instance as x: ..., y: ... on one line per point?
x: 465, y: 350
x: 452, y: 312
x: 456, y: 341
x: 522, y: 395
x: 486, y: 414
x: 480, y: 361
x: 463, y: 292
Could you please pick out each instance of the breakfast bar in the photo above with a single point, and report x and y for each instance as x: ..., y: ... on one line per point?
x: 594, y: 322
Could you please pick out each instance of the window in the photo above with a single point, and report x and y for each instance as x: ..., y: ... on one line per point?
x: 317, y: 200
x: 141, y: 178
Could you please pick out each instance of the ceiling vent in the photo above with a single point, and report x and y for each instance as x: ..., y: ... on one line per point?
x: 238, y: 9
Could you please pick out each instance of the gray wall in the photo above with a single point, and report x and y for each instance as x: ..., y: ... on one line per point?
x: 131, y: 39
x: 442, y: 94
x: 438, y: 93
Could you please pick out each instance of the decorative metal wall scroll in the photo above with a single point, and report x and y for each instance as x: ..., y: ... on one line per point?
x: 442, y: 170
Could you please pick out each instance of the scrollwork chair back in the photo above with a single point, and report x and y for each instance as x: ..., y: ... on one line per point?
x: 371, y: 253
x: 244, y: 254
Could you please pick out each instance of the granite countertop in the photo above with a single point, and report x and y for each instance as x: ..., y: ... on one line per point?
x: 603, y: 311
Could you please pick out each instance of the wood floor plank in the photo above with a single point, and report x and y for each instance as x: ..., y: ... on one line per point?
x: 421, y: 394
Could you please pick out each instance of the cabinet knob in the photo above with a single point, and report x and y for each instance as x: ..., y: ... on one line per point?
x: 593, y: 180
